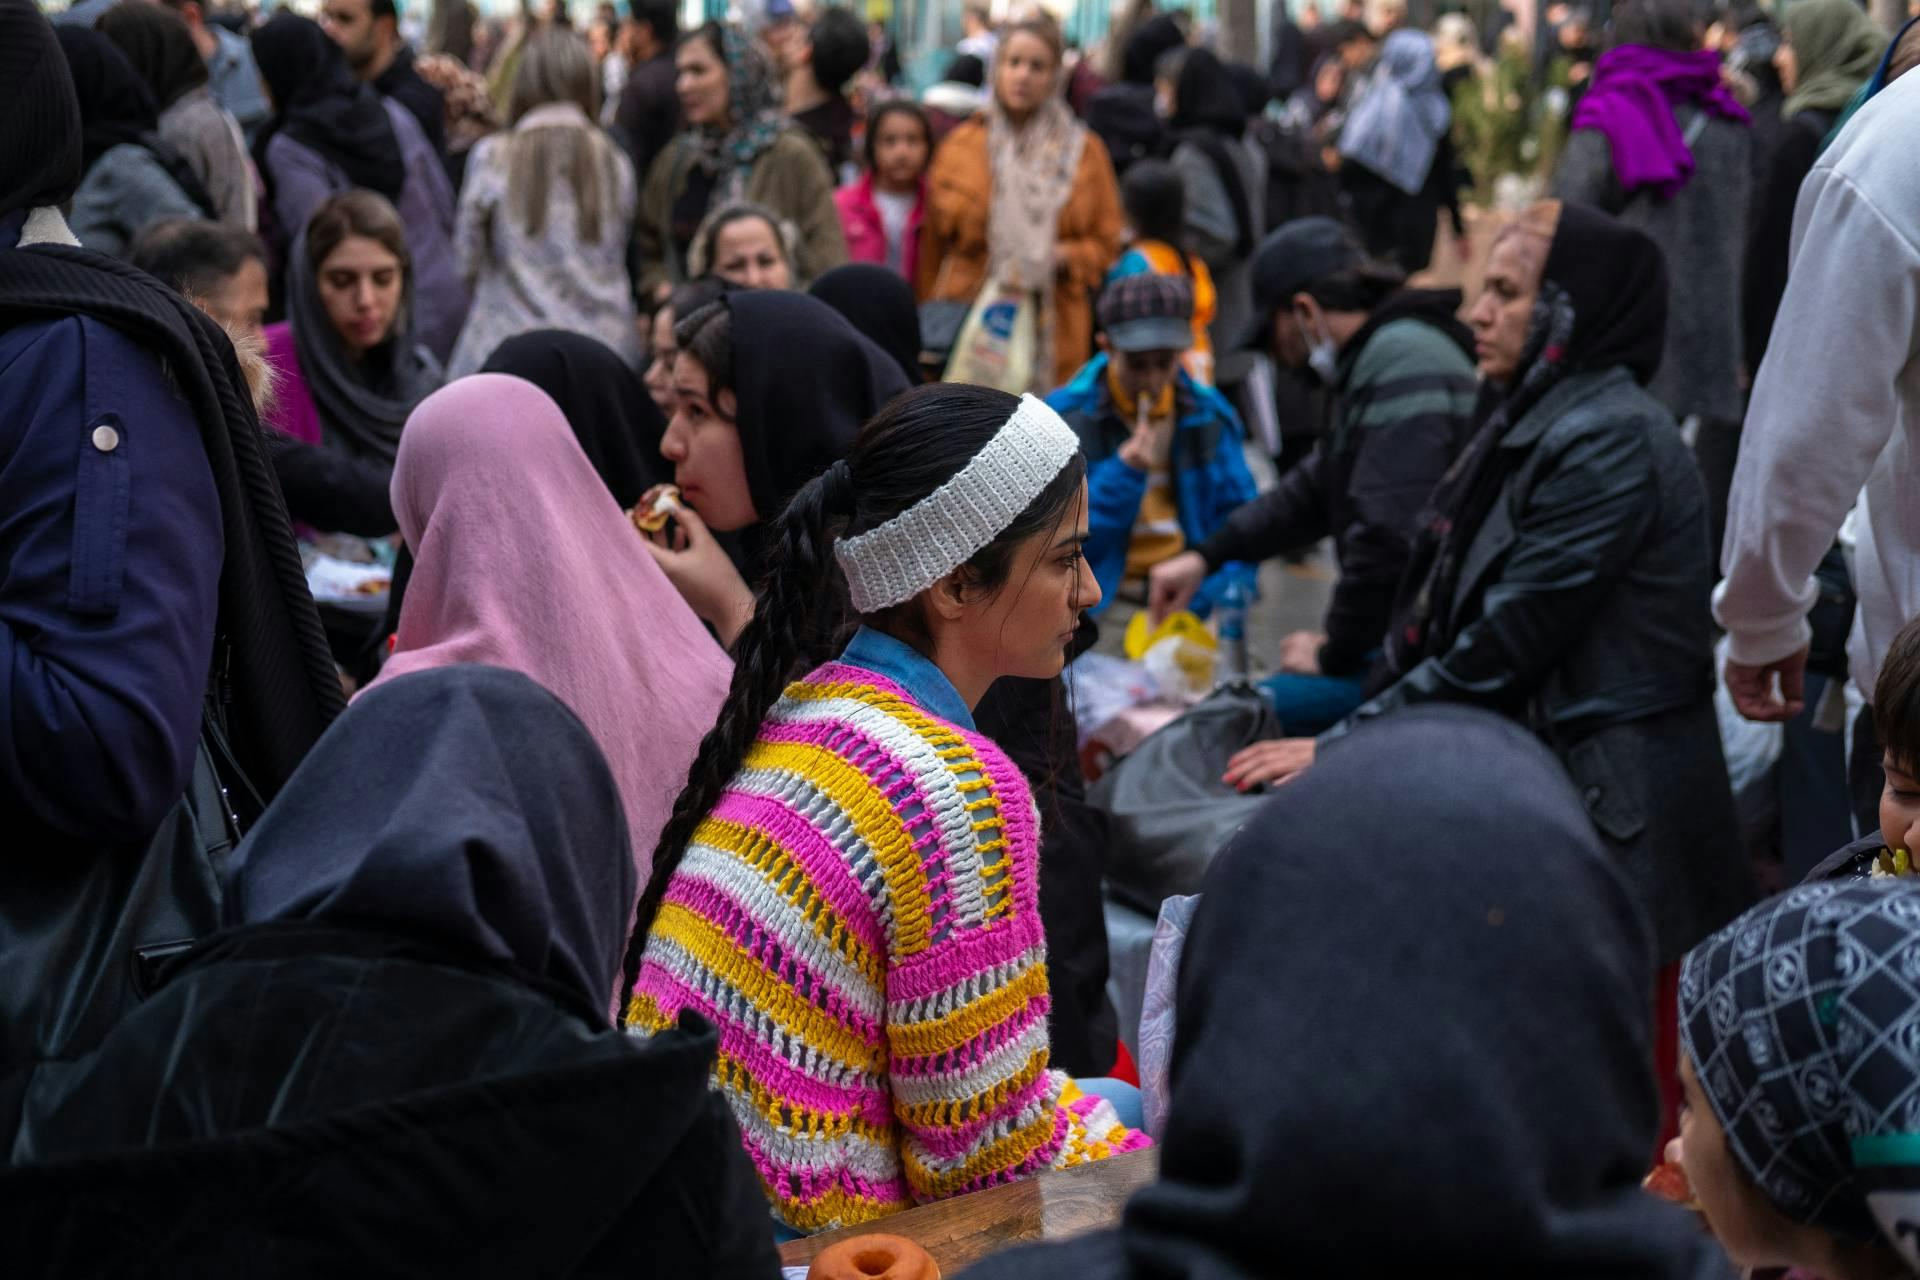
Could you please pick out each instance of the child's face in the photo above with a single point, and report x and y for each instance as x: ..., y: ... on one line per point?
x: 899, y: 151
x: 1749, y: 1228
x: 1900, y: 807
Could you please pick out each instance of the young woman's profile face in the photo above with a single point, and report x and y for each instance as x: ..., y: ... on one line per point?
x: 703, y: 444
x: 747, y: 252
x: 1024, y: 630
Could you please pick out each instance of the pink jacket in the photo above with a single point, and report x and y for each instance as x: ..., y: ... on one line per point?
x: 867, y: 235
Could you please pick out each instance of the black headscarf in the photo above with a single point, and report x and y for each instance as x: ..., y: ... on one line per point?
x: 1602, y: 304
x: 805, y: 382
x: 157, y: 42
x: 618, y: 425
x: 1210, y: 111
x: 40, y: 155
x: 317, y: 102
x: 1413, y: 1035
x: 465, y: 806
x: 878, y: 303
x: 117, y: 109
x: 364, y: 403
x: 1158, y: 35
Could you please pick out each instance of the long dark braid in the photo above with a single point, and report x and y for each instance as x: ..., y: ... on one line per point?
x: 781, y: 641
x: 918, y: 442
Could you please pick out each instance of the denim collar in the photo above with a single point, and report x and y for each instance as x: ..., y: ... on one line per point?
x: 925, y: 683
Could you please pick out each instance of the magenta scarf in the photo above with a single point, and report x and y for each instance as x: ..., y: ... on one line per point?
x: 1635, y: 92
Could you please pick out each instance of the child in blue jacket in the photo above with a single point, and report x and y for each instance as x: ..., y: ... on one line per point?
x: 1164, y: 459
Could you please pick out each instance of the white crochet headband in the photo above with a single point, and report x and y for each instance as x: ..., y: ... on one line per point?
x: 936, y: 535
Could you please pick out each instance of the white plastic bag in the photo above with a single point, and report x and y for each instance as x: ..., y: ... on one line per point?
x: 1157, y: 1009
x: 998, y: 341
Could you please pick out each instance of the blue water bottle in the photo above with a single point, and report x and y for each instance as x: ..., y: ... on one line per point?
x: 1231, y: 620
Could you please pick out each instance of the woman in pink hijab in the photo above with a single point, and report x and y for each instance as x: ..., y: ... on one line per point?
x: 522, y: 559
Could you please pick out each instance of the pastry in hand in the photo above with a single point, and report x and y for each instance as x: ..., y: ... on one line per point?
x: 654, y: 518
x: 1669, y: 1182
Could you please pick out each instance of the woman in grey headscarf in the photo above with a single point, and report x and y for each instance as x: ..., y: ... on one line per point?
x: 1396, y: 162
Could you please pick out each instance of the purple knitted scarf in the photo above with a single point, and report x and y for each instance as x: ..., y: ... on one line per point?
x: 1635, y: 92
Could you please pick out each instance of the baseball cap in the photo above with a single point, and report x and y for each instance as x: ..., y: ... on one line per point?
x: 1291, y: 258
x: 1148, y: 313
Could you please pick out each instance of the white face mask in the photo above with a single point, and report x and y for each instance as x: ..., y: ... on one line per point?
x: 1323, y: 354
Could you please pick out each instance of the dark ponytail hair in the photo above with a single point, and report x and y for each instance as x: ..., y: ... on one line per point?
x: 917, y: 443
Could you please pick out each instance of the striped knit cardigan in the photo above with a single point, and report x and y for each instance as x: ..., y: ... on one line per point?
x: 859, y: 916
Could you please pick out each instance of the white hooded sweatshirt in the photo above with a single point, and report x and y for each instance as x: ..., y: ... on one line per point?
x: 1835, y: 415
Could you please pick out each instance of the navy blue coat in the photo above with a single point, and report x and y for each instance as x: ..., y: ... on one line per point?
x: 110, y: 552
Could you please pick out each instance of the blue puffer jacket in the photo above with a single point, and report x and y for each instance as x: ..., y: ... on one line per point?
x: 1210, y: 476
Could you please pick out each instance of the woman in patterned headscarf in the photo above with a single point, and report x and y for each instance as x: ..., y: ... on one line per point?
x: 1800, y: 1023
x: 737, y: 146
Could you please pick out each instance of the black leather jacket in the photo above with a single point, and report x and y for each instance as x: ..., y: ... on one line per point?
x: 1583, y: 599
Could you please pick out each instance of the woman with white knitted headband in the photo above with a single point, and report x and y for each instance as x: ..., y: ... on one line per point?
x: 848, y: 885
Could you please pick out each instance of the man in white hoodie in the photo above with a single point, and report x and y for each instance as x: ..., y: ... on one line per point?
x: 1835, y: 419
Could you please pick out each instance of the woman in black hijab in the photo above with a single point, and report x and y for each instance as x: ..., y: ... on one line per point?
x: 1562, y: 574
x: 318, y: 103
x: 157, y: 42
x: 1437, y: 1070
x: 331, y: 134
x: 769, y: 391
x: 616, y: 422
x: 401, y: 1030
x: 132, y: 178
x: 879, y: 304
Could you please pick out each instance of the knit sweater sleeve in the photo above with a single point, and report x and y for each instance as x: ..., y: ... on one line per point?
x: 859, y: 917
x: 967, y: 996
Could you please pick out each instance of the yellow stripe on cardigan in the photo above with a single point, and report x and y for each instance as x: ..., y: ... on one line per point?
x: 789, y: 879
x: 949, y: 1113
x: 644, y: 1012
x: 952, y: 1030
x: 951, y: 748
x: 711, y: 948
x: 732, y: 1075
x: 874, y: 820
x: 837, y: 1207
x: 1005, y: 1154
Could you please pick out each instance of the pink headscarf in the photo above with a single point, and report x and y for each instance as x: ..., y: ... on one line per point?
x: 523, y: 560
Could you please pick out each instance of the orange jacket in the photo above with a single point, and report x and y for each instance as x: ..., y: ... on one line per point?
x: 953, y: 244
